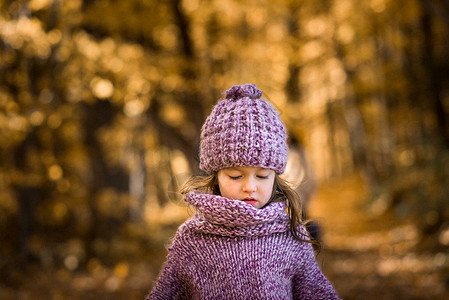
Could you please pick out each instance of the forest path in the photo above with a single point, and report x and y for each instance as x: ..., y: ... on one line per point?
x: 368, y: 256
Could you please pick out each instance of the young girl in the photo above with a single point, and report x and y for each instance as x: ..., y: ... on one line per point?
x: 247, y: 239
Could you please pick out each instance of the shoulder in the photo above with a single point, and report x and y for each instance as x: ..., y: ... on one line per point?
x: 301, y: 249
x: 182, y: 236
x: 287, y: 241
x: 187, y: 238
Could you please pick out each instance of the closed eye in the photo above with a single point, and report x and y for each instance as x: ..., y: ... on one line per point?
x: 262, y: 177
x: 234, y: 177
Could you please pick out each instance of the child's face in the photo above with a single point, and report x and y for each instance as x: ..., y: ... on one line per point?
x: 253, y: 185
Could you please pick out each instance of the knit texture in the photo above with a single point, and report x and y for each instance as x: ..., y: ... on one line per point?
x: 231, y: 250
x: 243, y: 130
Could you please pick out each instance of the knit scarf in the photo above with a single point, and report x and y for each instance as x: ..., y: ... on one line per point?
x: 232, y: 218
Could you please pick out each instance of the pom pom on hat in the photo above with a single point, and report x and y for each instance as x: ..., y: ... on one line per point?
x: 243, y: 130
x: 240, y: 91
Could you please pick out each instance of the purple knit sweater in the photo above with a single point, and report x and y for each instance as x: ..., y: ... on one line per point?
x: 231, y: 250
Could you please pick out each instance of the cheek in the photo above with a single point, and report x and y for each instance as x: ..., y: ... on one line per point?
x: 269, y: 188
x: 226, y: 187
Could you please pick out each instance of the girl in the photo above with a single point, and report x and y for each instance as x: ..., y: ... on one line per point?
x: 247, y: 239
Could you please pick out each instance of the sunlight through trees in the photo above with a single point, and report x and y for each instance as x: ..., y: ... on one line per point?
x: 101, y: 104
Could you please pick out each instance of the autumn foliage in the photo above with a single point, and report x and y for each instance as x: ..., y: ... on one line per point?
x: 101, y: 104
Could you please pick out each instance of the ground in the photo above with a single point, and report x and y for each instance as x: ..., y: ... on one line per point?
x: 374, y: 256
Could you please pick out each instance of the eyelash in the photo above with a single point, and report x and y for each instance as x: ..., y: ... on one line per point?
x: 237, y: 177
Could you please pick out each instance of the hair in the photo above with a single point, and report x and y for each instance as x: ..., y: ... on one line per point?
x: 281, y: 192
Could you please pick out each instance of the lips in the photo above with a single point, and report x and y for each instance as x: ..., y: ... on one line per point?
x: 251, y: 201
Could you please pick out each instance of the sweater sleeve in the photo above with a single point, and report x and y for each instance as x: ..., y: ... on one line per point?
x: 168, y: 285
x: 309, y: 282
x: 171, y: 283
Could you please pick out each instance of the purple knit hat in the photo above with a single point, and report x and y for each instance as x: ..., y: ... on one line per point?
x: 243, y: 130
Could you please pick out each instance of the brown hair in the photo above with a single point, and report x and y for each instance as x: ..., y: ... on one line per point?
x: 281, y: 192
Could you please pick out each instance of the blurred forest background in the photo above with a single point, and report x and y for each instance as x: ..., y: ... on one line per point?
x: 101, y: 104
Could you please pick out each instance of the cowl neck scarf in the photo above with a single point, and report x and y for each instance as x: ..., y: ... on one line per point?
x: 232, y: 218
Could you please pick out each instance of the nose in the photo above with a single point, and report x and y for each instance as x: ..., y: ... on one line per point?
x: 249, y: 186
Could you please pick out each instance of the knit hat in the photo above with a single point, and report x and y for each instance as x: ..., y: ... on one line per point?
x: 243, y: 130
